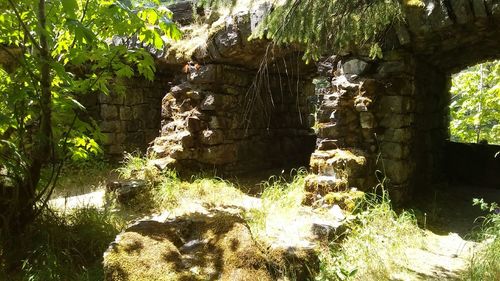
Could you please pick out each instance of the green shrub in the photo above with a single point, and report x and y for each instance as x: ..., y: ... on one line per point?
x: 67, y: 246
x: 484, y: 263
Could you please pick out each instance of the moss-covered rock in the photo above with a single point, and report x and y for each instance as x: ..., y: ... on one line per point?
x: 211, y: 246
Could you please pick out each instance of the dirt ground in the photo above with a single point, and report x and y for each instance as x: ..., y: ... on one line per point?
x: 450, y: 221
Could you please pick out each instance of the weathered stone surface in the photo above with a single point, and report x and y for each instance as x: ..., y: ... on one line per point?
x: 109, y: 112
x: 396, y: 121
x: 204, y: 74
x: 111, y: 126
x: 367, y: 120
x: 231, y: 112
x: 396, y: 104
x: 219, y: 154
x: 393, y: 67
x: 397, y: 171
x: 394, y: 150
x: 212, y: 137
x: 126, y: 190
x: 355, y: 67
x: 195, y: 247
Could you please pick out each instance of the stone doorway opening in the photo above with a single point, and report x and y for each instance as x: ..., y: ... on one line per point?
x: 472, y: 154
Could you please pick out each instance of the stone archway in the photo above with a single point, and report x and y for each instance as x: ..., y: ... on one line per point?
x: 241, y: 105
x: 238, y: 107
x: 391, y: 114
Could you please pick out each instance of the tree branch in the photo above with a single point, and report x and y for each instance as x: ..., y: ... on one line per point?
x: 25, y: 28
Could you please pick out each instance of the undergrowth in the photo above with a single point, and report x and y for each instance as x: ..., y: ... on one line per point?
x: 167, y: 191
x: 373, y: 248
x: 484, y: 263
x: 280, y: 202
x: 63, y: 246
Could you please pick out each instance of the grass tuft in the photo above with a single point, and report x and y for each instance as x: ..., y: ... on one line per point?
x: 374, y: 245
x: 484, y: 263
x: 64, y: 246
x: 281, y: 201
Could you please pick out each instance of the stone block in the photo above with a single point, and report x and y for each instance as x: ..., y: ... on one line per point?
x: 109, y: 138
x: 331, y: 131
x: 367, y: 120
x: 400, y: 86
x: 120, y: 137
x: 216, y: 123
x: 109, y: 112
x: 227, y: 41
x: 134, y: 97
x: 141, y: 111
x: 390, y: 68
x: 235, y: 91
x: 397, y: 171
x: 219, y: 154
x: 180, y: 89
x: 396, y: 104
x: 209, y: 102
x: 194, y: 124
x: 396, y: 121
x: 194, y: 95
x: 361, y: 103
x: 133, y: 125
x: 212, y: 137
x: 396, y: 135
x: 327, y: 144
x: 135, y: 138
x: 204, y: 74
x: 114, y: 149
x: 355, y: 67
x: 111, y: 126
x: 178, y: 152
x: 394, y: 150
x: 236, y: 77
x: 111, y: 98
x: 126, y: 113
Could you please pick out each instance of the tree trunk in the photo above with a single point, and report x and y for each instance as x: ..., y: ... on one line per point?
x: 42, y: 146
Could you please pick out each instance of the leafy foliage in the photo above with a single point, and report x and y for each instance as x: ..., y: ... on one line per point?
x: 59, y: 52
x: 475, y: 106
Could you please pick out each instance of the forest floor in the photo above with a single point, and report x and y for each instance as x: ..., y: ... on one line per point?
x: 446, y: 214
x: 450, y: 220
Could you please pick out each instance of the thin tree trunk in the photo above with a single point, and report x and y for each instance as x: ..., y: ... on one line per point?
x: 43, y: 137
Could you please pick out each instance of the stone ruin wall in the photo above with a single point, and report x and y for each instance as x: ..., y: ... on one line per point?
x: 380, y: 118
x: 388, y: 114
x: 129, y: 121
x: 391, y: 114
x: 216, y: 118
x: 237, y: 107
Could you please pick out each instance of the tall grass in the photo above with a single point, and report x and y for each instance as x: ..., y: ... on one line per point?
x: 484, y: 264
x: 166, y: 190
x: 374, y: 245
x: 281, y: 201
x: 63, y: 246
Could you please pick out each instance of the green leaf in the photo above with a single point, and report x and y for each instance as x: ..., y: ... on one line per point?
x: 125, y: 71
x: 70, y: 7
